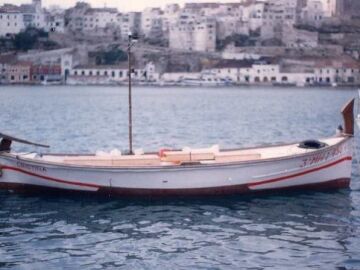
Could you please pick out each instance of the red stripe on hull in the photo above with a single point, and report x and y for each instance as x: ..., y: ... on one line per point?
x: 52, y: 179
x: 216, y: 190
x: 125, y: 192
x: 299, y: 174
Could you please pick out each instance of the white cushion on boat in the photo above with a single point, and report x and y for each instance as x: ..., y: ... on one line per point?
x: 100, y: 153
x: 115, y: 152
x: 139, y: 151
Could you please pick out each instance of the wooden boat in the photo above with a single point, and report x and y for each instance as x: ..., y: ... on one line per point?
x: 311, y: 164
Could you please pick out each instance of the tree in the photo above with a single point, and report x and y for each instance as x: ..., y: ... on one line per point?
x: 27, y: 40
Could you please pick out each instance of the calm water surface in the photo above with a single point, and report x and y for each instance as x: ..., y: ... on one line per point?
x: 293, y: 231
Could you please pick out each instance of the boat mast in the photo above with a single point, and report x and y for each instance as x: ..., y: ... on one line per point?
x: 131, y: 42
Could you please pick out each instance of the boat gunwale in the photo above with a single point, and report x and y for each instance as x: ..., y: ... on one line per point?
x: 10, y: 155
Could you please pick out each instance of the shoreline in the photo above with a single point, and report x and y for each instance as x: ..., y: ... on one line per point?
x: 240, y: 86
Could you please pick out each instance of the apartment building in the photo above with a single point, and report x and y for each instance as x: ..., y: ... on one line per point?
x: 191, y: 34
x: 152, y: 23
x: 14, y: 19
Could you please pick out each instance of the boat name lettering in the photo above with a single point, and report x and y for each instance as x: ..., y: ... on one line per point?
x: 32, y: 168
x: 322, y: 157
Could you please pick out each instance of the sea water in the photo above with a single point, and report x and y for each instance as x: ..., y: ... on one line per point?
x: 304, y: 230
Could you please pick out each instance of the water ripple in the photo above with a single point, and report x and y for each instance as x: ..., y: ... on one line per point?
x: 297, y: 231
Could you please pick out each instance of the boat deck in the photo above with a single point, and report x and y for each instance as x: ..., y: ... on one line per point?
x: 185, y: 156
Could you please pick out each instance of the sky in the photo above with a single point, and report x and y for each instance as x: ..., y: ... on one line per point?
x: 122, y: 5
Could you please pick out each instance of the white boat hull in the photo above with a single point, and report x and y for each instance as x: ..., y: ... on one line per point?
x: 329, y: 167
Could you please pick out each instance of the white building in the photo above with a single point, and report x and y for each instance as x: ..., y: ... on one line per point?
x: 14, y: 19
x: 300, y: 38
x: 55, y: 22
x: 297, y: 73
x: 253, y: 13
x: 112, y: 74
x: 330, y: 7
x: 11, y: 20
x: 97, y: 19
x: 152, y: 23
x: 278, y: 15
x: 169, y: 17
x: 313, y: 13
x: 92, y: 21
x: 227, y: 26
x: 193, y: 35
x: 337, y: 72
x: 129, y: 22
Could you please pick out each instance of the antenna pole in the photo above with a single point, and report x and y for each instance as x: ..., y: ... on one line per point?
x: 130, y: 100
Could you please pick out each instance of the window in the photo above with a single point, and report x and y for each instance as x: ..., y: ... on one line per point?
x: 113, y: 74
x: 83, y: 73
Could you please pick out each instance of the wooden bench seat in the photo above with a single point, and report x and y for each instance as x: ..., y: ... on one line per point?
x: 136, y: 160
x: 187, y: 156
x: 234, y: 156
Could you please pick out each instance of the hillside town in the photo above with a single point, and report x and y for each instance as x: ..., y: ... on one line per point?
x: 247, y: 42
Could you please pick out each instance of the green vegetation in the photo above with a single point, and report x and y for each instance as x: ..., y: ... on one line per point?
x: 6, y: 45
x: 29, y: 39
x: 111, y: 57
